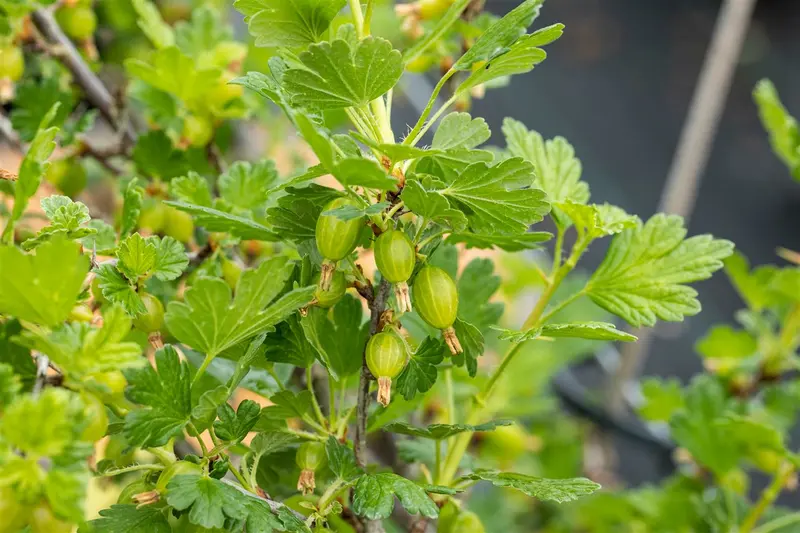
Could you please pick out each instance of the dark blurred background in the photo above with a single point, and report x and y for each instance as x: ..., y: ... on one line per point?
x: 618, y: 85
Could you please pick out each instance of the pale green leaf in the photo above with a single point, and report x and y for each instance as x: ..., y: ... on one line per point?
x: 520, y: 58
x: 131, y: 519
x: 646, y: 270
x: 137, y: 256
x: 153, y: 26
x: 117, y: 289
x: 593, y: 221
x: 432, y: 206
x: 662, y: 399
x: 361, y: 172
x: 209, y: 501
x: 210, y: 322
x: 499, y: 37
x: 599, y: 331
x: 191, y: 189
x: 164, y: 391
x: 32, y: 169
x: 335, y: 76
x: 420, y: 372
x: 54, y: 275
x: 781, y: 126
x: 374, y: 494
x: 558, y: 171
x: 442, y: 431
x: 459, y: 131
x: 289, y: 23
x: 555, y: 490
x: 498, y: 199
x: 216, y: 220
x: 247, y: 185
x: 511, y: 243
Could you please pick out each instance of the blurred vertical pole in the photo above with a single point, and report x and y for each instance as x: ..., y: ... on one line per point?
x: 691, y: 157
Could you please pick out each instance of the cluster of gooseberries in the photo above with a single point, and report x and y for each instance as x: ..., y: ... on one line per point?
x: 434, y: 296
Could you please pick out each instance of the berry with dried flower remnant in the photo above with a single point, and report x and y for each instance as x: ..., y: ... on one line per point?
x: 310, y: 457
x: 436, y: 301
x: 328, y: 298
x: 395, y: 256
x: 386, y: 358
x: 336, y: 238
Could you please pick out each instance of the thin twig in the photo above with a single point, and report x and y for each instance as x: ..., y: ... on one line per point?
x: 96, y: 92
x: 42, y: 366
x: 7, y: 131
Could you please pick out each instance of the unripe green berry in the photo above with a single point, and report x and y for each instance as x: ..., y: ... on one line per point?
x: 386, y: 358
x: 78, y: 22
x: 12, y: 62
x: 337, y: 238
x: 335, y: 292
x: 310, y: 457
x: 153, y: 317
x: 436, y: 301
x: 395, y: 256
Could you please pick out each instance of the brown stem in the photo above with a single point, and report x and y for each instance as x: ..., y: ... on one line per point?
x: 96, y: 92
x: 376, y: 306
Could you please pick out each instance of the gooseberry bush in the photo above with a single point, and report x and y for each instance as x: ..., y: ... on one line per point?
x: 319, y: 342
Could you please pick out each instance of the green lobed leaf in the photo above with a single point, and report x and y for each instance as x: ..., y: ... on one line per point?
x: 131, y: 519
x: 173, y: 72
x: 336, y: 76
x: 210, y: 502
x: 495, y: 199
x: 33, y: 102
x: 40, y: 426
x: 341, y: 460
x: 291, y: 24
x: 361, y: 172
x: 521, y: 57
x: 594, y: 221
x: 81, y: 350
x: 210, y: 322
x: 247, y: 185
x: 131, y: 207
x: 477, y: 284
x: 599, y: 331
x: 164, y: 391
x: 754, y: 286
x: 472, y: 342
x: 153, y: 26
x: 235, y: 425
x: 33, y: 167
x: 510, y: 243
x: 644, y: 274
x: 784, y: 136
x: 558, y: 171
x: 54, y: 275
x: 432, y: 206
x: 662, y: 399
x: 459, y: 131
x: 216, y: 220
x: 420, y: 372
x: 118, y: 290
x: 556, y: 490
x: 499, y: 37
x: 726, y: 343
x: 443, y: 431
x: 191, y: 189
x: 373, y: 496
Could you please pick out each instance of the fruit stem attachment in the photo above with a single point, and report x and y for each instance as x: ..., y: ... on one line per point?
x: 402, y: 296
x: 451, y: 340
x: 384, y: 391
x: 325, y: 277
